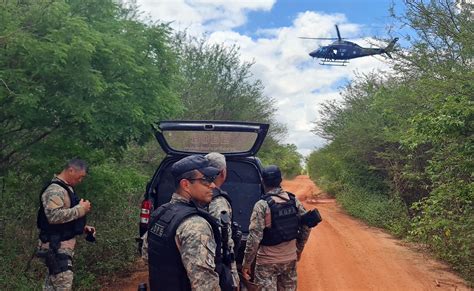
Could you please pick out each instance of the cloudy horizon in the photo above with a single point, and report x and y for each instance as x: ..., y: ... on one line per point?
x: 297, y: 83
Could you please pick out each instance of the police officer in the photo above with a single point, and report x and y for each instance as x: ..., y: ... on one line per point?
x: 221, y: 202
x: 60, y: 218
x: 276, y: 239
x: 183, y: 240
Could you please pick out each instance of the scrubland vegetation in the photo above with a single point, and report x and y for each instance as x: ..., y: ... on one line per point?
x: 402, y: 146
x: 88, y: 79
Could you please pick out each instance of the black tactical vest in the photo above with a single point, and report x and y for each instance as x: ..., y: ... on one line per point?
x: 285, y: 221
x: 166, y: 270
x: 63, y: 231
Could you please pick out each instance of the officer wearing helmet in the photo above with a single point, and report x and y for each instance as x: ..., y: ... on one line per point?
x: 276, y: 238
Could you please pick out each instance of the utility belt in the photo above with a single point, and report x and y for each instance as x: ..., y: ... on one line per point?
x: 55, y: 261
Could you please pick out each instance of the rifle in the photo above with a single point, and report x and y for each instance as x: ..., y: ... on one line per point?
x: 236, y: 236
x: 311, y: 218
x: 227, y: 254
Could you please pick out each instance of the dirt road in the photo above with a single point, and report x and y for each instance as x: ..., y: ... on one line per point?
x: 345, y: 254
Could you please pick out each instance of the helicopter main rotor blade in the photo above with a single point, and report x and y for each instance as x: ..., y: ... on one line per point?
x: 322, y: 38
x: 338, y: 34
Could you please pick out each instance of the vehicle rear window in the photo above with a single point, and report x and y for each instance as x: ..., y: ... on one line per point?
x: 210, y: 141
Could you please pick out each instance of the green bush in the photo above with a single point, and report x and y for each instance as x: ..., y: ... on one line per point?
x: 376, y: 209
x: 115, y: 192
x: 446, y: 225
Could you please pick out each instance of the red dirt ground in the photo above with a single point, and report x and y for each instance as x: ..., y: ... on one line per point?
x: 343, y: 253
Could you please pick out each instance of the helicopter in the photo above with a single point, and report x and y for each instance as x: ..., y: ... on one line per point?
x: 341, y: 51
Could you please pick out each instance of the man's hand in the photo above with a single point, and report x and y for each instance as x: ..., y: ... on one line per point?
x: 246, y: 273
x: 85, y: 204
x: 89, y: 229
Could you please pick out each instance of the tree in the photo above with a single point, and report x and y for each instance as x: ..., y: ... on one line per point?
x: 79, y: 78
x: 217, y: 85
x: 285, y: 156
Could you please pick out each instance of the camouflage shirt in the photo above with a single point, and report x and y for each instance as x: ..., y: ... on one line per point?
x: 217, y: 205
x: 57, y: 208
x: 258, y: 224
x: 195, y: 241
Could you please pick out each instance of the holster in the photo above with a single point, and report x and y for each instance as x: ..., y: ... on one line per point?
x: 56, y: 262
x: 226, y: 281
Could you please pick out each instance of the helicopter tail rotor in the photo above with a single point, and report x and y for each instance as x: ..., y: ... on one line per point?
x: 390, y: 47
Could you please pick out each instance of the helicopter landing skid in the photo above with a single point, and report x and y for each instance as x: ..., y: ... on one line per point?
x: 330, y: 62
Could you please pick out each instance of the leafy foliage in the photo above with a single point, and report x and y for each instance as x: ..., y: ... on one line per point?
x: 285, y: 156
x: 87, y: 79
x: 75, y: 80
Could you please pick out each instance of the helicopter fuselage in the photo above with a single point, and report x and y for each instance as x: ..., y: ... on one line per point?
x: 339, y: 52
x: 344, y: 50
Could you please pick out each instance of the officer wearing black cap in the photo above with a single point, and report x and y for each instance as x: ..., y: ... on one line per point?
x: 276, y: 238
x: 184, y: 246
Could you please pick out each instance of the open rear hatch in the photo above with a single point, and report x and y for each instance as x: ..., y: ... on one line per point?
x: 231, y: 138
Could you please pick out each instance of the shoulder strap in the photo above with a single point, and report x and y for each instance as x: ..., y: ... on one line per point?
x: 267, y: 197
x: 62, y: 185
x: 66, y: 187
x: 171, y: 214
x: 292, y: 197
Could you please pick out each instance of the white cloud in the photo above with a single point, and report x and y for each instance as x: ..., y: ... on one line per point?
x: 298, y: 84
x: 202, y: 16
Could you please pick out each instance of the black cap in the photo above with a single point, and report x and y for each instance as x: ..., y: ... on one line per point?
x: 193, y: 162
x: 271, y: 174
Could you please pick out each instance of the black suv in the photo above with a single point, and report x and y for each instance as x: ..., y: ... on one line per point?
x: 238, y: 141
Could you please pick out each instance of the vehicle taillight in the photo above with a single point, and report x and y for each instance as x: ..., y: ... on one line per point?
x: 145, y: 212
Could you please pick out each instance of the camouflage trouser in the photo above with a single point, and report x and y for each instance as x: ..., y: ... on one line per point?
x: 61, y: 281
x: 276, y: 276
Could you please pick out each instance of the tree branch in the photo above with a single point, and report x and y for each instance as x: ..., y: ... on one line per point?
x: 6, y: 86
x: 27, y: 145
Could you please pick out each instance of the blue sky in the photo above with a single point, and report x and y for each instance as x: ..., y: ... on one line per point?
x: 371, y: 13
x: 267, y: 33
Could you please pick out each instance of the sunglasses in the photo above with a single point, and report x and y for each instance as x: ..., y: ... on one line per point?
x: 206, y: 181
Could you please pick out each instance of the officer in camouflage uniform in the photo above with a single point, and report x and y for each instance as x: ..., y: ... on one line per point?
x: 276, y: 249
x: 222, y: 202
x: 183, y: 240
x: 60, y: 218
